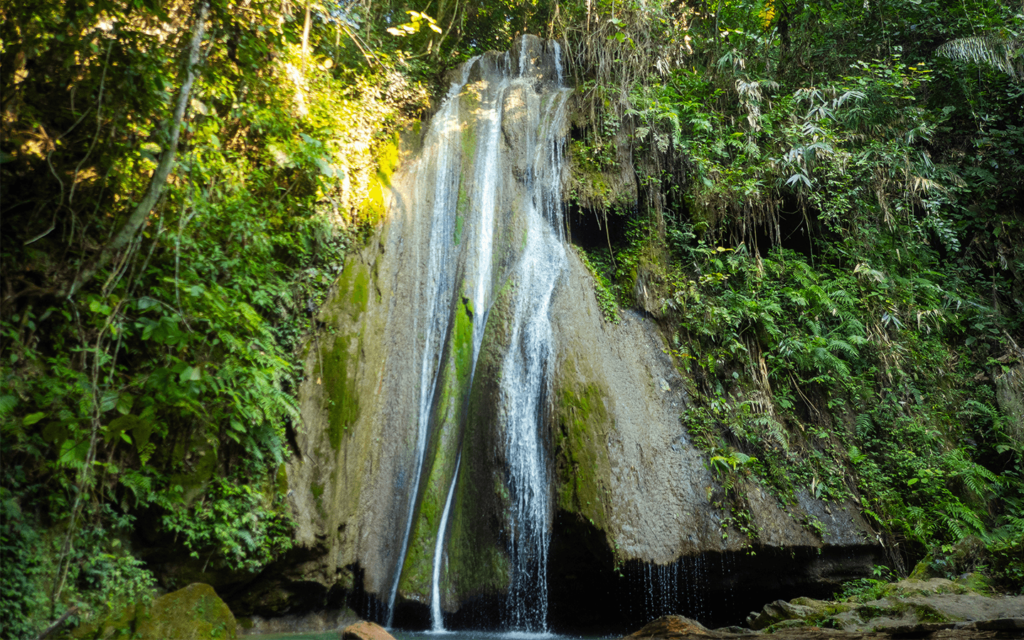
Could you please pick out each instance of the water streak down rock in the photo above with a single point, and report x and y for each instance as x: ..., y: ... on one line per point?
x: 465, y: 339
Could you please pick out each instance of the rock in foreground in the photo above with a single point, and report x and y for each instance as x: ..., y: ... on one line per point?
x: 678, y: 628
x: 670, y: 627
x: 364, y: 630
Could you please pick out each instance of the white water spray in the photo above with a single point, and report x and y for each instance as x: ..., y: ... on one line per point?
x: 443, y: 141
x: 543, y: 260
x: 524, y: 381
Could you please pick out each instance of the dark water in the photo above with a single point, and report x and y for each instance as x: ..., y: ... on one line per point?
x: 425, y: 635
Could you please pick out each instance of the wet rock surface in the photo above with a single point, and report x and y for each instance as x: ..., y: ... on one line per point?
x: 779, y: 611
x: 313, y: 622
x: 670, y: 627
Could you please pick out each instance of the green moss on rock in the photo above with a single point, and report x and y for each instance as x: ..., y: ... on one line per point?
x: 354, y: 288
x: 374, y: 205
x: 477, y: 562
x: 417, y: 571
x: 318, y: 498
x: 339, y: 364
x: 118, y: 625
x: 193, y: 613
x: 581, y: 454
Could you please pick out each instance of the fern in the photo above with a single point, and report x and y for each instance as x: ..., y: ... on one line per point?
x: 842, y: 346
x: 864, y: 425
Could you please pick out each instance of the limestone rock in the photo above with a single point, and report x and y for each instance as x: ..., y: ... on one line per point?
x: 670, y: 627
x: 364, y: 630
x: 776, y: 612
x: 920, y: 629
x: 737, y: 631
x: 816, y: 605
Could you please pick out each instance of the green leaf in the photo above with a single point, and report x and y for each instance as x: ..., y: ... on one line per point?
x: 33, y: 418
x: 72, y: 453
x: 124, y: 403
x: 109, y: 401
x: 145, y: 302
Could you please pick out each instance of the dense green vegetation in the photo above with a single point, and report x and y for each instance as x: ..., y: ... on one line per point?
x: 828, y: 225
x: 830, y: 229
x: 154, y: 398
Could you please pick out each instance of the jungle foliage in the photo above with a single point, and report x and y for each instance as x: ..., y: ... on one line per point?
x: 830, y: 229
x: 150, y: 324
x: 828, y: 225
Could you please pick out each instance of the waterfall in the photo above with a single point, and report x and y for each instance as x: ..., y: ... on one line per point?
x: 523, y: 381
x: 517, y: 178
x: 442, y: 144
x: 436, y: 621
x: 486, y: 181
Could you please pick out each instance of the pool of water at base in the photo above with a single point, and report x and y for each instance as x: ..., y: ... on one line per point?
x: 427, y: 635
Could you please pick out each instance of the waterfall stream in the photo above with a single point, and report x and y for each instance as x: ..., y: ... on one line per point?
x: 442, y: 144
x: 516, y: 179
x: 436, y: 620
x: 523, y: 383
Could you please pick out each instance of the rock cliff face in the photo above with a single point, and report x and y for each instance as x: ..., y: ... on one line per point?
x: 407, y: 384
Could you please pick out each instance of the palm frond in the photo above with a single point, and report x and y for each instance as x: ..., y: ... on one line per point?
x: 998, y: 52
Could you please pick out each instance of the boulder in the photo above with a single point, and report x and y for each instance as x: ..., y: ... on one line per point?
x: 364, y: 630
x: 669, y: 627
x: 776, y: 612
x: 193, y: 613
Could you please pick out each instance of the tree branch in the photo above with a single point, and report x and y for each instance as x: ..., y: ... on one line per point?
x: 57, y: 625
x: 163, y: 170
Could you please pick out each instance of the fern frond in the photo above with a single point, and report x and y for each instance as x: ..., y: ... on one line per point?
x: 842, y: 346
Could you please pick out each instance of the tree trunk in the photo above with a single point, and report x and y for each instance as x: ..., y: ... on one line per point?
x: 156, y: 184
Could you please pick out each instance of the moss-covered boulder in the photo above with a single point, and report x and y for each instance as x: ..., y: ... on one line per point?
x: 193, y: 613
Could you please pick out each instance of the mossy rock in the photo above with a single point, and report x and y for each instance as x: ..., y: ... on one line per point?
x: 977, y: 582
x: 119, y: 625
x: 923, y: 571
x: 193, y: 613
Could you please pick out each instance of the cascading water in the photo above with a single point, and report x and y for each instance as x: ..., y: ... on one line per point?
x: 486, y: 178
x: 523, y: 382
x: 442, y: 143
x: 471, y: 201
x: 436, y: 620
